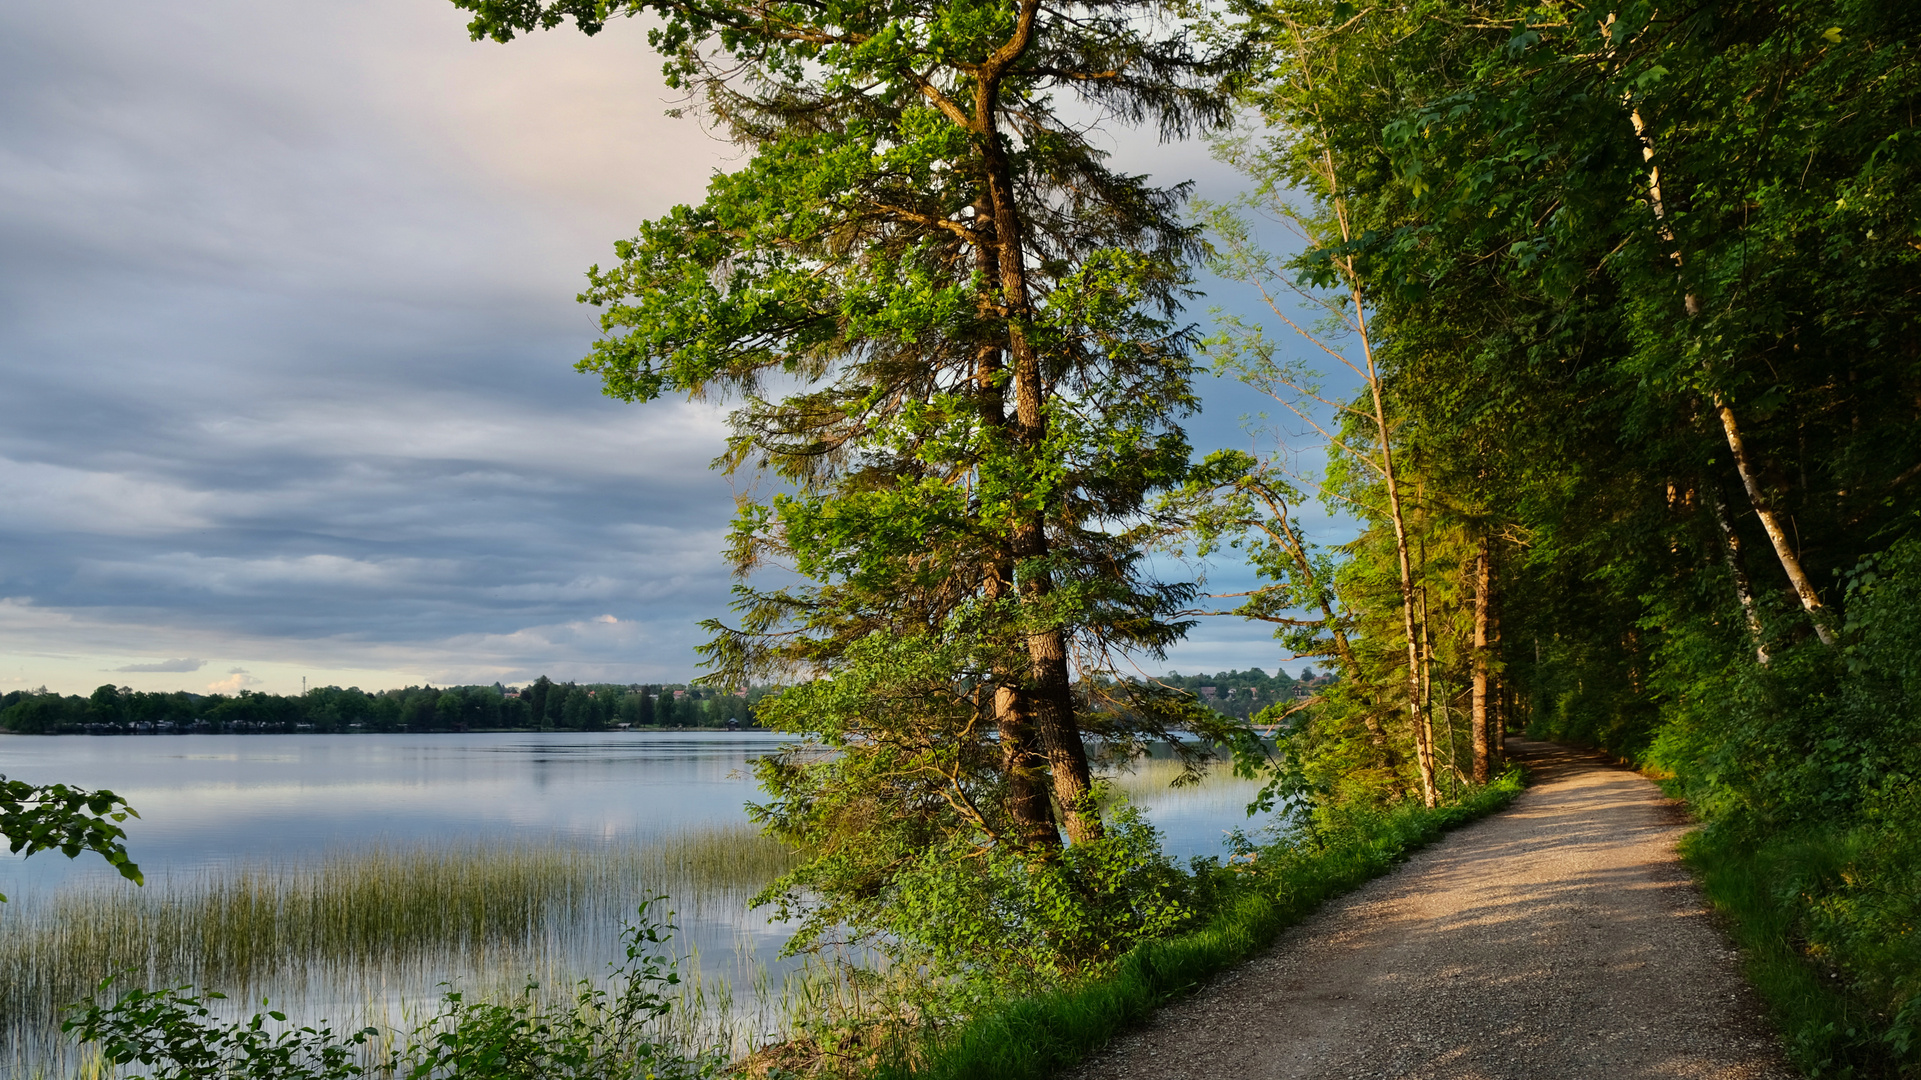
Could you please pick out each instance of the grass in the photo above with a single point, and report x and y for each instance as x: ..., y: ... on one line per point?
x: 373, y: 917
x: 1148, y: 779
x: 1036, y: 1037
x: 1771, y: 897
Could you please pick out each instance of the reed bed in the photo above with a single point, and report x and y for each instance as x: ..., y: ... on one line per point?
x: 1145, y: 780
x: 378, y: 926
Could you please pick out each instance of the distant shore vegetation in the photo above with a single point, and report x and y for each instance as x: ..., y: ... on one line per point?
x: 541, y: 705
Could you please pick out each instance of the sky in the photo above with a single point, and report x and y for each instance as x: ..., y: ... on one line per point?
x: 287, y: 333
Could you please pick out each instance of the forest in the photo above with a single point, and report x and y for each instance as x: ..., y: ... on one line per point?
x: 542, y: 705
x: 1603, y: 315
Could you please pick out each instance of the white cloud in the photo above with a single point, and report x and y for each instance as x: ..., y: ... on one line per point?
x: 236, y: 679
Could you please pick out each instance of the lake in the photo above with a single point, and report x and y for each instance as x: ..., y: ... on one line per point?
x: 456, y: 829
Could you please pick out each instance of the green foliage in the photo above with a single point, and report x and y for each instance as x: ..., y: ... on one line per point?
x: 43, y: 713
x: 55, y: 817
x: 1240, y: 694
x: 1810, y: 773
x: 996, y: 921
x: 597, y: 1034
x: 1647, y: 292
x: 175, y: 1033
x: 973, y: 321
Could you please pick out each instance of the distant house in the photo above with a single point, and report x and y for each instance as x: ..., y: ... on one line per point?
x: 1210, y: 692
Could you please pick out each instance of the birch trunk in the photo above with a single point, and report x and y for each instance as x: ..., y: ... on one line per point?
x: 1423, y: 746
x: 1783, y: 550
x: 1743, y: 590
x: 1423, y: 742
x: 1483, y: 584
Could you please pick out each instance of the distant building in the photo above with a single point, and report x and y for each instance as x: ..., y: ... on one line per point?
x: 1210, y: 692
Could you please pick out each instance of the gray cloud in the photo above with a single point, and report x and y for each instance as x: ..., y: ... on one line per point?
x: 166, y: 666
x: 287, y: 331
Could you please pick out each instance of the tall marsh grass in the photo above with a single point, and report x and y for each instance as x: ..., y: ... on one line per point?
x: 368, y: 928
x: 1148, y: 778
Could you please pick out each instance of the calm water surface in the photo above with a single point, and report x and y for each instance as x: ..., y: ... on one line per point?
x: 214, y: 803
x: 210, y: 800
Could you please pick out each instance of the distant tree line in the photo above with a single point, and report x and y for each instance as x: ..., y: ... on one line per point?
x: 542, y: 705
x: 1244, y: 695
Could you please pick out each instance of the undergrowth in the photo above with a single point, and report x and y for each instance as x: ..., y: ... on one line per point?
x: 1828, y: 936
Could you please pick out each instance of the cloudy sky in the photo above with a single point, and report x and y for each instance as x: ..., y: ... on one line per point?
x: 286, y: 338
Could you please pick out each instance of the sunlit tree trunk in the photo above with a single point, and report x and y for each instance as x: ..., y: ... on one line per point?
x: 1771, y: 521
x: 1423, y: 739
x: 1499, y: 693
x: 1743, y: 590
x: 1021, y: 764
x: 1483, y: 612
x: 1423, y: 742
x: 1051, y: 705
x: 1763, y: 508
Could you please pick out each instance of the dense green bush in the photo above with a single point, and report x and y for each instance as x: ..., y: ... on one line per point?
x: 1002, y: 919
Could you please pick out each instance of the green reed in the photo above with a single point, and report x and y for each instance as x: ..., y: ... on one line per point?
x: 372, y: 911
x: 1151, y: 778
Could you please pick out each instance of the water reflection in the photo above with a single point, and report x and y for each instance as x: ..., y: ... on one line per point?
x: 213, y: 806
x: 208, y: 800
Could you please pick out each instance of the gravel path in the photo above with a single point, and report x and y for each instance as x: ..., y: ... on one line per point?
x: 1561, y: 938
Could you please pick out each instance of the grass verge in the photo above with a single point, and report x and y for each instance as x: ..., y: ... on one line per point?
x: 1841, y: 1010
x: 1036, y: 1037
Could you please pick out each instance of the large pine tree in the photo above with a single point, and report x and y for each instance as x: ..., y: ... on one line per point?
x: 952, y: 330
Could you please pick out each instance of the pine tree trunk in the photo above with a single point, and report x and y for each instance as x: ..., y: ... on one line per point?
x: 1499, y: 693
x: 1028, y: 805
x: 1051, y: 704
